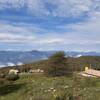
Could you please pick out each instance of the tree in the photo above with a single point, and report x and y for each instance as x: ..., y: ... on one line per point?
x: 57, y: 65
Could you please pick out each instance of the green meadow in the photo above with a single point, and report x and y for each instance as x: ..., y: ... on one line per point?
x: 40, y: 87
x: 59, y: 81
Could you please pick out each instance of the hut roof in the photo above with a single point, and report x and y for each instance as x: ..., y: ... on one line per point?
x: 93, y: 72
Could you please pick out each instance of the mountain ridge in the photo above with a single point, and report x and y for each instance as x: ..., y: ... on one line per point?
x: 11, y: 58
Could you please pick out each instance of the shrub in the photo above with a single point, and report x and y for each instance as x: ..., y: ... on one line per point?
x: 1, y: 81
x: 2, y: 75
x: 12, y: 77
x: 57, y: 65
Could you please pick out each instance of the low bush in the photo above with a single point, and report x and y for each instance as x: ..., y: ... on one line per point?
x: 2, y: 75
x: 57, y: 65
x: 12, y: 77
x: 1, y: 82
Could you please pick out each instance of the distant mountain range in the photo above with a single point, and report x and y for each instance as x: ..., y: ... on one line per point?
x: 12, y: 58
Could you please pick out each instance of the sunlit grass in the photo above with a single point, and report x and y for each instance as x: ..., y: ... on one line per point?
x: 40, y: 87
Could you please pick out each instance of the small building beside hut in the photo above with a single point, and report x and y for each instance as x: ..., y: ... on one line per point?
x: 13, y: 71
x: 36, y: 71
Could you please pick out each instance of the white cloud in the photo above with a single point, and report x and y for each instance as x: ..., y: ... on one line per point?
x: 67, y: 8
x: 26, y: 34
x: 19, y: 28
x: 14, y: 38
x: 49, y: 40
x: 17, y: 33
x: 10, y: 64
x: 5, y: 4
x: 86, y: 33
x: 37, y: 7
x: 60, y: 8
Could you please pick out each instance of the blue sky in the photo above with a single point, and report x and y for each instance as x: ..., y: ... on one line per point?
x: 70, y: 25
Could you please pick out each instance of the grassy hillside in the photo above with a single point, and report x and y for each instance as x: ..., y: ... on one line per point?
x: 73, y: 63
x: 76, y: 64
x: 39, y: 87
